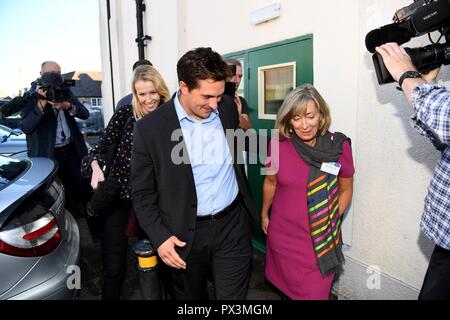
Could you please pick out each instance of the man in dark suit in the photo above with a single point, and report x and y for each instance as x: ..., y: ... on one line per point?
x: 190, y: 195
x: 52, y: 132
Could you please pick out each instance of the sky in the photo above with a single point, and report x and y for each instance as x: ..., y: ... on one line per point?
x: 34, y: 31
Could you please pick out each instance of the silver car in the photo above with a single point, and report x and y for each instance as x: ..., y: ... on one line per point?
x: 39, y: 239
x: 12, y: 142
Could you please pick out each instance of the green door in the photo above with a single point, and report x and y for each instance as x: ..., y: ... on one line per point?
x: 270, y: 73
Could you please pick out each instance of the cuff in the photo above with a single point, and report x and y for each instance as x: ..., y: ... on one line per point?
x: 73, y: 109
x: 421, y: 91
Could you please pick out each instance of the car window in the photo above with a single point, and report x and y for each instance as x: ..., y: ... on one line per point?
x: 10, y: 169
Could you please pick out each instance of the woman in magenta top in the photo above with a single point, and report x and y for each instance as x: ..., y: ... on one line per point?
x: 308, y: 188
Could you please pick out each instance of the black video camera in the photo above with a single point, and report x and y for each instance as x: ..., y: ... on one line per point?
x: 55, y: 87
x: 230, y: 87
x: 419, y: 18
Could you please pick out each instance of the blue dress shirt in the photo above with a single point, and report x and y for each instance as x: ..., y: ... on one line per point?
x: 211, y: 161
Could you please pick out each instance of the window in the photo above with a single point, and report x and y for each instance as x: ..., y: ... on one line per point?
x: 10, y: 169
x: 274, y: 84
x: 96, y: 102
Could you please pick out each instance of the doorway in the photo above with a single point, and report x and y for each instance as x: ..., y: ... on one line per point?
x: 270, y: 72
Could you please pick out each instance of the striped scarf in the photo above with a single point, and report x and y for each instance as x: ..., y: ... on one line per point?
x: 323, y: 200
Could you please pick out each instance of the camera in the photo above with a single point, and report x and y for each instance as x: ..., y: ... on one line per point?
x: 55, y: 87
x: 230, y: 87
x: 419, y: 18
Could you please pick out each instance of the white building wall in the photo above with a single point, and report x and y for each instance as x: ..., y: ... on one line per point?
x: 393, y: 163
x: 123, y: 34
x: 394, y: 167
x: 163, y: 21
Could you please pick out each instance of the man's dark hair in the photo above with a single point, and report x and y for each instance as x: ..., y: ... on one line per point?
x: 233, y: 62
x: 202, y: 64
x: 142, y: 62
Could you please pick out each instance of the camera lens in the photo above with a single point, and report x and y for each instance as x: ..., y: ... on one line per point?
x: 430, y: 57
x: 424, y: 59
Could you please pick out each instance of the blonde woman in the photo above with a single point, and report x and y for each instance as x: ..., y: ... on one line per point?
x: 149, y: 92
x: 308, y: 191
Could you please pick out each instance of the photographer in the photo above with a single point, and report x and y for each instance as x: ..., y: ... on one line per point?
x: 52, y: 132
x: 431, y: 106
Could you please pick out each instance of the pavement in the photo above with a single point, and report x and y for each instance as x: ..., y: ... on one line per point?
x: 91, y: 272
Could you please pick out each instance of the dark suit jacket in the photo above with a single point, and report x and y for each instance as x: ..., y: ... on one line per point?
x: 164, y: 195
x: 40, y: 128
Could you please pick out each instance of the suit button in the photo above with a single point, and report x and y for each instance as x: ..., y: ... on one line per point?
x: 194, y: 206
x: 191, y: 230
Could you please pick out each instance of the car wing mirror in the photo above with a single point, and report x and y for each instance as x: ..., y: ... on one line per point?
x: 16, y: 132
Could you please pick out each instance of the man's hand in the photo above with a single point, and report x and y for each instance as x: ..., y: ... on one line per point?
x: 169, y: 256
x: 65, y: 105
x: 41, y: 102
x: 431, y: 76
x: 396, y: 60
x: 244, y: 122
x: 238, y: 103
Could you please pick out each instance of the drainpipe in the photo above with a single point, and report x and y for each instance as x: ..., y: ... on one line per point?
x: 108, y: 9
x: 141, y: 38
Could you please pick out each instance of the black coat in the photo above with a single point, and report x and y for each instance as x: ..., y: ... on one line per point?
x: 40, y: 129
x: 163, y: 193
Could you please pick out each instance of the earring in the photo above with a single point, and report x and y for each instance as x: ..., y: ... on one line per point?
x: 290, y: 129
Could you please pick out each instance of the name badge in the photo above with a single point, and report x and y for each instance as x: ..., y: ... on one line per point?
x: 331, y: 168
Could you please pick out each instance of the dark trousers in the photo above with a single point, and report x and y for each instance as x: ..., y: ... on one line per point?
x: 224, y: 248
x: 114, y: 250
x: 436, y: 285
x: 77, y: 189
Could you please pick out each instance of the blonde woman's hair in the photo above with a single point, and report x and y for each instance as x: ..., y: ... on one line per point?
x: 295, y: 104
x: 147, y: 73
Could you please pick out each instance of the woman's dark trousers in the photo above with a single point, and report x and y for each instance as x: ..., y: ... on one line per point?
x: 114, y: 250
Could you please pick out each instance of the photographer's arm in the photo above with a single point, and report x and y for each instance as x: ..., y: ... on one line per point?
x: 81, y: 111
x: 244, y: 120
x: 431, y: 103
x: 31, y: 115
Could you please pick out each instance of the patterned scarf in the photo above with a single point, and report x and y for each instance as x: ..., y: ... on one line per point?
x: 323, y: 200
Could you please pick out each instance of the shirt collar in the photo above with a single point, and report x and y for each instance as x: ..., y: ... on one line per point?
x: 182, y: 114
